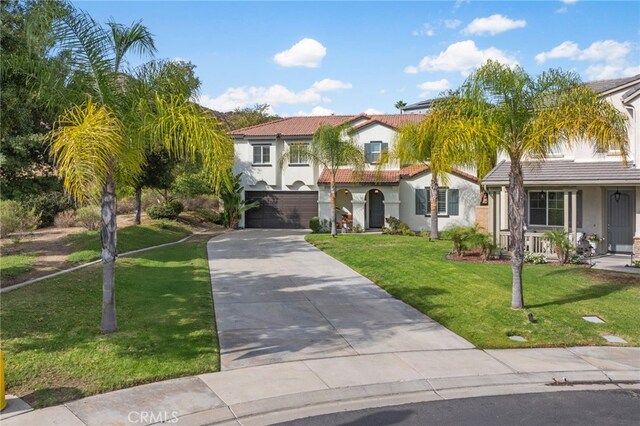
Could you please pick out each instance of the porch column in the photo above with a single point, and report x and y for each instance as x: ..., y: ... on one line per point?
x: 504, y: 209
x: 636, y: 237
x: 391, y: 208
x: 491, y: 213
x: 358, y: 202
x: 324, y: 204
x: 574, y: 217
x: 566, y: 211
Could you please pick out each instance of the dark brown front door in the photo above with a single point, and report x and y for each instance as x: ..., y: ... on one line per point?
x: 281, y: 209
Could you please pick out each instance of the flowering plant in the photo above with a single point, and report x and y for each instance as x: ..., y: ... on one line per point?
x: 593, y: 238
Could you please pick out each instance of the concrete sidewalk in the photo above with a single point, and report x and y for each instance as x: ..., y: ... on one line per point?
x: 275, y: 393
x: 301, y: 335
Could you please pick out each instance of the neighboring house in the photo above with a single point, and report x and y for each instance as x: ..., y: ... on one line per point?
x: 294, y: 193
x: 582, y: 191
x: 418, y: 108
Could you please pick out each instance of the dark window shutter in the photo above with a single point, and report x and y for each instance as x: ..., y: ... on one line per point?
x: 453, y: 207
x: 421, y: 201
x: 428, y: 192
x: 579, y: 209
x: 367, y: 152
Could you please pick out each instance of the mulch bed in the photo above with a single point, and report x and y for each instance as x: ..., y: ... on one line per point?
x: 476, y: 257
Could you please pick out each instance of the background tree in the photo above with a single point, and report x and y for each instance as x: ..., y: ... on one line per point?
x: 507, y: 110
x: 400, y: 104
x: 156, y: 173
x: 331, y: 148
x: 101, y: 142
x: 250, y: 116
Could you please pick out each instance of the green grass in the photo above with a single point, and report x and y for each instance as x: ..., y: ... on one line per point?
x: 86, y: 245
x: 474, y: 299
x: 13, y: 265
x: 51, y: 338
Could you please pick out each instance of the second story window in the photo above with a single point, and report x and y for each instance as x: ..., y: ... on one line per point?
x: 296, y: 157
x: 261, y: 154
x: 373, y: 151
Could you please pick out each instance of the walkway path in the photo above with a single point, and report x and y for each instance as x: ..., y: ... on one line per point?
x: 314, y: 337
x: 277, y: 298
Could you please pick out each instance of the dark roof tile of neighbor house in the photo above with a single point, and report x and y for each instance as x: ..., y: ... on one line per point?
x: 601, y: 86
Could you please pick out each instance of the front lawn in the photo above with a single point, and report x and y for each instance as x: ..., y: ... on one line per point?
x: 474, y: 299
x: 13, y: 265
x: 53, y: 348
x: 86, y: 245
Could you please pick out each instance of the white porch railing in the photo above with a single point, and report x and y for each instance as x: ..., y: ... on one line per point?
x: 533, y: 242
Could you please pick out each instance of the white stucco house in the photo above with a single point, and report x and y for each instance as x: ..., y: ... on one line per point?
x: 292, y: 194
x: 584, y: 192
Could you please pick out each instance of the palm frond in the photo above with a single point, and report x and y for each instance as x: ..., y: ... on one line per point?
x: 86, y: 143
x: 134, y: 38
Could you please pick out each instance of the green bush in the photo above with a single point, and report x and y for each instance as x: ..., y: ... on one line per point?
x: 208, y: 216
x: 16, y: 217
x: 47, y: 206
x: 314, y: 225
x: 89, y: 217
x: 536, y: 259
x: 466, y: 238
x: 168, y: 210
x: 559, y: 240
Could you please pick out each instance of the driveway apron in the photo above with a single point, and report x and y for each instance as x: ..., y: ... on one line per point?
x: 278, y: 298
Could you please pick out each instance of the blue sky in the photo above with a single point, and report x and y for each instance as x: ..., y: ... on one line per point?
x: 346, y: 58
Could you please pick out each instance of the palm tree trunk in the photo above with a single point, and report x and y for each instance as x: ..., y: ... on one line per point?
x: 516, y: 229
x: 433, y: 189
x: 108, y: 239
x: 334, y: 231
x: 137, y: 219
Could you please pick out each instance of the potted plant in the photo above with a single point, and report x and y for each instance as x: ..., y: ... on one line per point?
x: 593, y: 240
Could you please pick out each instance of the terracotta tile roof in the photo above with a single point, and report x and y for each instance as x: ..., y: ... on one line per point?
x: 385, y: 177
x: 306, y: 126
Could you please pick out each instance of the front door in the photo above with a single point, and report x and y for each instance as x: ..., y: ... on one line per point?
x: 376, y: 209
x: 620, y: 220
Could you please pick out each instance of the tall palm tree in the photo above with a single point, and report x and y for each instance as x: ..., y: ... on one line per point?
x: 331, y: 147
x: 400, y: 104
x: 524, y: 117
x: 101, y: 141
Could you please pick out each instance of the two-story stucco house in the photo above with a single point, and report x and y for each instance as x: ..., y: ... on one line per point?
x: 584, y: 192
x: 292, y: 194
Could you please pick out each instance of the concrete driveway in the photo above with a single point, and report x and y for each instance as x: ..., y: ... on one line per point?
x: 277, y: 298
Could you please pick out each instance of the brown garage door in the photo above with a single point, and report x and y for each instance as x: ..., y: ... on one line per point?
x: 281, y: 209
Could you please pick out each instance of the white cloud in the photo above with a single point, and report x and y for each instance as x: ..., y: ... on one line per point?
x: 452, y: 24
x: 494, y: 24
x: 609, y: 51
x: 274, y: 95
x: 305, y: 53
x: 382, y: 91
x: 430, y: 87
x: 373, y: 111
x: 606, y: 71
x: 317, y: 110
x: 462, y: 56
x: 569, y: 1
x: 426, y: 30
x: 328, y: 85
x: 411, y: 69
x: 562, y: 10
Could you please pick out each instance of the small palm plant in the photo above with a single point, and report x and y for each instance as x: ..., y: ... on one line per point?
x: 234, y: 205
x: 559, y: 239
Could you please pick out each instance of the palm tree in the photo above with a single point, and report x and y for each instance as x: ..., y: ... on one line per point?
x: 400, y: 104
x: 331, y: 148
x: 524, y: 117
x: 101, y: 141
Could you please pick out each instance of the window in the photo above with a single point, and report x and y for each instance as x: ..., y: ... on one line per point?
x: 448, y: 202
x: 546, y: 208
x: 296, y: 156
x: 373, y: 150
x: 261, y: 154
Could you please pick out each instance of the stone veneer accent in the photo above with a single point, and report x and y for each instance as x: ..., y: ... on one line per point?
x: 636, y: 248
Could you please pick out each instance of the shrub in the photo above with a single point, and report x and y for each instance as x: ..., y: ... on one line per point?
x: 65, y: 219
x: 314, y: 224
x: 47, y: 206
x: 201, y: 202
x: 126, y: 206
x: 357, y: 229
x: 394, y: 225
x: 559, y: 239
x: 89, y: 217
x: 167, y: 210
x: 635, y: 263
x: 536, y: 259
x: 16, y: 217
x: 208, y: 216
x: 576, y: 259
